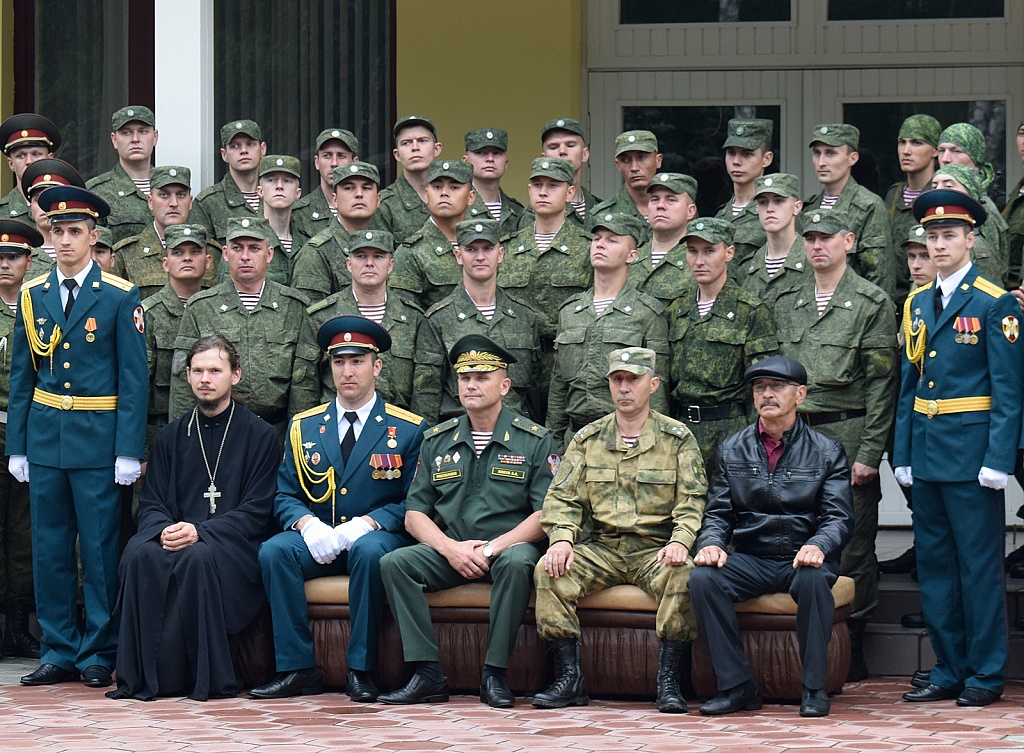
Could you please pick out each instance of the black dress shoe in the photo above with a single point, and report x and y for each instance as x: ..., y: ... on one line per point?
x: 745, y: 697
x: 977, y: 697
x: 922, y: 678
x: 360, y: 687
x: 815, y: 703
x: 494, y: 691
x: 50, y: 674
x: 417, y: 690
x: 1016, y: 570
x: 97, y: 676
x: 933, y: 693
x: 913, y: 620
x: 287, y: 684
x: 899, y: 565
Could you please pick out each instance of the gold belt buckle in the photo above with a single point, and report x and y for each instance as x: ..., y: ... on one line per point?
x: 67, y: 402
x: 933, y: 408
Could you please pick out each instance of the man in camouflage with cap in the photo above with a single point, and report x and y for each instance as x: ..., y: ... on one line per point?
x: 487, y: 152
x: 369, y: 258
x: 660, y: 268
x: 610, y: 315
x: 403, y: 204
x: 842, y: 329
x: 716, y: 330
x: 425, y: 267
x: 477, y: 306
x: 748, y: 153
x: 1013, y: 213
x: 636, y: 476
x: 320, y: 268
x: 780, y: 263
x: 103, y: 251
x: 638, y: 160
x: 313, y: 212
x: 262, y: 319
x: 834, y: 153
x: 241, y: 149
x: 564, y: 138
x: 126, y: 186
x: 24, y: 138
x: 278, y: 189
x: 988, y: 259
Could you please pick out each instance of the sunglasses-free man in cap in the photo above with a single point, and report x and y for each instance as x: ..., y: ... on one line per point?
x: 944, y: 206
x: 478, y: 354
x: 18, y: 238
x: 352, y: 335
x: 28, y: 129
x: 782, y: 368
x: 49, y: 172
x: 635, y: 360
x: 72, y: 204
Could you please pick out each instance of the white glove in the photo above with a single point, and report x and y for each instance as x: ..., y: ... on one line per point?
x: 904, y: 475
x: 992, y: 479
x: 319, y: 538
x: 347, y: 533
x: 18, y: 466
x: 126, y: 470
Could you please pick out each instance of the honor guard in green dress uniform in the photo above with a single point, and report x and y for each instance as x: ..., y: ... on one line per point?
x: 638, y: 161
x: 636, y: 478
x: 985, y: 257
x: 24, y: 138
x: 474, y: 506
x: 241, y: 149
x: 313, y: 213
x: 425, y: 267
x: 565, y: 138
x: 748, y: 153
x: 37, y: 177
x: 781, y: 263
x: 340, y: 507
x: 126, y: 186
x: 487, y: 152
x: 369, y: 256
x: 660, y: 268
x: 77, y: 425
x: 403, y: 204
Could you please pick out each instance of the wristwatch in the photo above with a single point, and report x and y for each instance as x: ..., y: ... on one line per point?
x: 488, y: 550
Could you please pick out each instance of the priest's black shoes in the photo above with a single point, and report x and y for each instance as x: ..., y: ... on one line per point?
x: 815, y: 703
x: 419, y: 689
x: 96, y: 676
x: 494, y: 691
x: 977, y: 697
x: 933, y: 692
x: 360, y: 687
x: 745, y: 697
x: 50, y: 674
x: 287, y: 684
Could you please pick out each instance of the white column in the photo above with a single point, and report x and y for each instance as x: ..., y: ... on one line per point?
x: 183, y: 54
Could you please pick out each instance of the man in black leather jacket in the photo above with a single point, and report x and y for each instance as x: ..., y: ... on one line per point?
x: 781, y: 496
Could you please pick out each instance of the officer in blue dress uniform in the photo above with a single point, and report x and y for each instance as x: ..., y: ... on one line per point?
x: 340, y: 503
x: 958, y: 425
x: 77, y: 425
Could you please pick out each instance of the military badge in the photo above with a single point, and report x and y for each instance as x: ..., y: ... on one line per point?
x: 967, y: 327
x: 90, y: 328
x: 316, y: 458
x: 456, y: 456
x: 511, y: 459
x: 309, y: 445
x: 386, y: 466
x: 323, y: 429
x: 553, y: 462
x: 1011, y: 328
x: 392, y: 433
x: 140, y: 320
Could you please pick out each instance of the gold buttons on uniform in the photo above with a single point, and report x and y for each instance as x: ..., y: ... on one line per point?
x: 67, y: 385
x: 343, y: 519
x: 932, y: 354
x: 344, y: 490
x: 67, y: 365
x: 67, y: 345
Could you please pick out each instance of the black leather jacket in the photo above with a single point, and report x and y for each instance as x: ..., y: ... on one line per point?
x: 807, y: 500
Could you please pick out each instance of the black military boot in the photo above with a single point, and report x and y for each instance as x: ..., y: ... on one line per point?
x: 858, y: 666
x: 670, y: 699
x: 568, y: 689
x: 18, y: 641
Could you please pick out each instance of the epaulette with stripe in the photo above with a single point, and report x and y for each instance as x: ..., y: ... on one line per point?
x: 310, y: 412
x: 402, y: 413
x: 34, y: 281
x: 451, y: 423
x: 985, y: 286
x: 116, y: 281
x: 526, y: 424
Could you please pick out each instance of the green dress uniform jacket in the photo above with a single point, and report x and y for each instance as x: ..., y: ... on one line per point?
x: 312, y: 214
x: 621, y: 204
x: 129, y: 207
x: 753, y: 276
x: 139, y: 259
x: 14, y: 207
x: 320, y: 268
x: 1013, y: 213
x: 425, y: 267
x: 402, y: 212
x: 215, y: 205
x: 666, y: 281
x: 511, y: 213
x: 750, y: 236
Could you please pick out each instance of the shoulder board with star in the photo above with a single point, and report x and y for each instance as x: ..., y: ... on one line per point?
x: 451, y: 423
x: 118, y: 282
x: 588, y: 431
x: 522, y: 422
x: 985, y: 286
x: 403, y: 414
x: 311, y: 412
x: 673, y: 427
x: 35, y: 281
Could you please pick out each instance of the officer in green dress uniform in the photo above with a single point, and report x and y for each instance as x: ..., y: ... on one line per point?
x: 638, y: 160
x: 24, y: 138
x: 403, y: 204
x: 566, y: 139
x: 241, y: 149
x: 660, y: 268
x: 781, y: 263
x: 487, y: 152
x: 312, y: 213
x: 748, y: 153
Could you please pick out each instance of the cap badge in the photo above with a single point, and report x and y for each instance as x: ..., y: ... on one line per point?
x: 631, y: 139
x: 354, y: 169
x: 824, y: 129
x: 172, y: 172
x: 131, y: 112
x: 5, y: 237
x: 245, y: 223
x: 62, y: 205
x: 24, y: 134
x: 187, y: 231
x: 768, y: 181
x: 816, y: 218
x: 335, y: 133
x: 919, y: 231
x: 545, y: 165
x: 369, y: 236
x: 348, y: 337
x: 739, y: 131
x: 625, y: 356
x: 238, y: 124
x: 940, y: 210
x: 478, y: 227
x: 664, y: 177
x: 47, y: 177
x: 280, y: 162
x: 559, y: 122
x: 490, y: 135
x: 445, y: 165
x: 700, y: 225
x: 608, y: 217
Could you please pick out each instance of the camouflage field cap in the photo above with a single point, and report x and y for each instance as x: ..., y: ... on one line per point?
x: 248, y: 127
x: 916, y: 234
x: 972, y: 142
x: 922, y: 128
x: 175, y: 235
x: 248, y: 227
x: 379, y: 239
x: 711, y: 229
x: 555, y: 168
x: 749, y: 133
x: 457, y: 170
x: 676, y: 183
x: 106, y: 238
x: 170, y: 175
x: 779, y: 184
x: 636, y: 141
x: 280, y: 163
x: 483, y: 137
x: 836, y: 134
x: 826, y: 221
x: 562, y: 124
x: 478, y: 230
x: 967, y: 177
x: 634, y: 360
x: 340, y: 134
x: 410, y: 121
x: 127, y: 114
x: 355, y: 170
x: 620, y: 224
x: 478, y: 353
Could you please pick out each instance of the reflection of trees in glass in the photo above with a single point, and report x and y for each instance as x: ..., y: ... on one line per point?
x: 864, y: 10
x: 702, y: 11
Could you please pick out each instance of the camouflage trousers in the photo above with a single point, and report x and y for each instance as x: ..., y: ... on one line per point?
x: 15, y: 540
x: 607, y: 562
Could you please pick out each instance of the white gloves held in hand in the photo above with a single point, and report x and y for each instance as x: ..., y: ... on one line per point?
x: 904, y: 475
x: 18, y: 466
x: 346, y: 533
x: 992, y: 479
x: 127, y: 470
x: 320, y: 540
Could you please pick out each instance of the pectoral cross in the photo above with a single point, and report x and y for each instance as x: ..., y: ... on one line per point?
x: 213, y: 495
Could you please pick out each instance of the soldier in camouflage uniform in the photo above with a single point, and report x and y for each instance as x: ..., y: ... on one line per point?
x: 846, y: 339
x: 241, y: 149
x: 967, y: 180
x: 834, y: 153
x: 126, y: 186
x: 262, y: 319
x: 312, y: 213
x: 1013, y: 213
x: 320, y: 267
x: 781, y: 263
x: 477, y: 306
x: 40, y: 175
x: 660, y: 268
x: 610, y: 315
x: 425, y: 267
x: 487, y: 152
x: 103, y: 251
x: 278, y: 189
x: 638, y: 160
x: 370, y: 259
x: 24, y: 138
x: 638, y: 478
x: 748, y: 153
x: 403, y: 204
x: 564, y: 138
x: 711, y: 349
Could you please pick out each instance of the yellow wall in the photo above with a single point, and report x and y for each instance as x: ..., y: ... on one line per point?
x: 469, y: 64
x: 6, y: 79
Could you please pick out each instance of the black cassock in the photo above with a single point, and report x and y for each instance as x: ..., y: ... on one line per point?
x: 178, y: 609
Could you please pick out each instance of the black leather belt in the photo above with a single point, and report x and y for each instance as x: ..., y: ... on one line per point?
x: 547, y: 344
x: 696, y: 414
x: 816, y: 419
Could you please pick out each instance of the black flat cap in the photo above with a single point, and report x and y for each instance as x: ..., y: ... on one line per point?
x: 777, y: 367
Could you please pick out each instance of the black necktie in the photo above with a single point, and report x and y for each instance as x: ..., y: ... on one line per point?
x: 349, y: 440
x: 70, y: 284
x: 938, y: 302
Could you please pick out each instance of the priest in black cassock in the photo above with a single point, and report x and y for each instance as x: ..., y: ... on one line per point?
x: 190, y: 577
